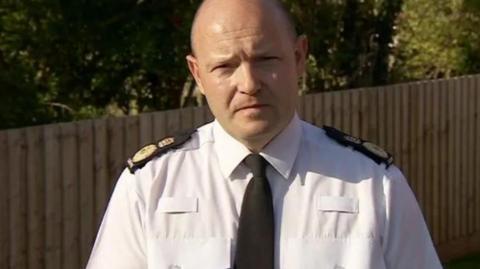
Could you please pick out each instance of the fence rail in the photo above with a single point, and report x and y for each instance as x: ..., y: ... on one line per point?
x: 56, y: 179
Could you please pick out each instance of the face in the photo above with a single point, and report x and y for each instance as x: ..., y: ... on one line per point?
x: 248, y: 68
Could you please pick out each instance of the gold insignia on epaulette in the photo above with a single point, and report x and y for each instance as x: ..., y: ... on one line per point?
x: 376, y: 150
x: 353, y: 139
x: 144, y: 153
x: 165, y: 142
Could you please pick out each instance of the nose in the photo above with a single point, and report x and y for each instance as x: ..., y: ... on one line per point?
x: 248, y: 80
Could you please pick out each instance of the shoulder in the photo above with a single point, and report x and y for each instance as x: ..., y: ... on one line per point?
x: 329, y: 139
x: 369, y: 149
x: 185, y: 140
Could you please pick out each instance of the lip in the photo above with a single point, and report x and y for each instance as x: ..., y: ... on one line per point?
x: 252, y: 106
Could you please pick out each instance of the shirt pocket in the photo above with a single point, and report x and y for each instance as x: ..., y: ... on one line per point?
x: 337, y: 204
x: 172, y: 205
x: 189, y: 253
x: 331, y: 253
x: 338, y: 217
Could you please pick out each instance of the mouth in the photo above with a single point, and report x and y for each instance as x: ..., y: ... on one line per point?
x: 252, y: 107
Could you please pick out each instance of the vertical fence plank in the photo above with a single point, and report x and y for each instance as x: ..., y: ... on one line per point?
x: 451, y: 160
x: 53, y: 207
x: 397, y: 123
x: 364, y: 116
x: 36, y: 198
x: 443, y: 171
x: 301, y: 106
x: 328, y: 108
x: 436, y: 177
x: 159, y: 125
x: 419, y: 141
x: 173, y: 121
x: 458, y: 158
x: 429, y: 157
x: 122, y: 142
x: 101, y: 167
x: 70, y: 199
x: 412, y: 138
x: 4, y: 202
x: 471, y: 155
x: 317, y: 109
x: 18, y: 199
x: 337, y: 110
x: 477, y: 151
x: 459, y: 162
x: 373, y: 116
x: 87, y: 189
x: 146, y: 128
x: 463, y: 156
x: 346, y: 108
x: 131, y: 141
x: 199, y: 116
x: 308, y: 109
x: 355, y: 112
x: 382, y: 118
x: 186, y: 118
x: 209, y: 115
x: 404, y: 130
x: 461, y: 144
x: 390, y: 120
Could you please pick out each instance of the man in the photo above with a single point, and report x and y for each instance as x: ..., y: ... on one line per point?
x: 258, y: 187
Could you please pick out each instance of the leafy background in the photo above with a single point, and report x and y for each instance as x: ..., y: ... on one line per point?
x: 71, y: 60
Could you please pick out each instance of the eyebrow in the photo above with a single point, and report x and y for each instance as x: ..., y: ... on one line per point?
x: 226, y: 58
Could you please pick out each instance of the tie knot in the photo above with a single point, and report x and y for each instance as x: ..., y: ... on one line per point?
x: 257, y: 164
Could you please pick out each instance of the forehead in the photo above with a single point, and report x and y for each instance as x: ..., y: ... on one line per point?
x: 248, y: 35
x: 239, y: 21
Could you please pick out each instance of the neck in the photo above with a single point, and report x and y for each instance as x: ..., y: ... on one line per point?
x: 257, y: 143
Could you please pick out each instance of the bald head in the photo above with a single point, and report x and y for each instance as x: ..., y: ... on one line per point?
x: 212, y: 13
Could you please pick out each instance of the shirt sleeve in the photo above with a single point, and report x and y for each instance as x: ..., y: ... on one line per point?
x: 120, y: 241
x: 407, y: 242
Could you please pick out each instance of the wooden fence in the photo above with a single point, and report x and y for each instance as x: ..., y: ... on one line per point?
x: 55, y: 180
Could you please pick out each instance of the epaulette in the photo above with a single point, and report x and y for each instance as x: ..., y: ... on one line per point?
x: 150, y: 151
x: 371, y: 150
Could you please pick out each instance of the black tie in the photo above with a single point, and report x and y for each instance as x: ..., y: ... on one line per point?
x: 256, y: 227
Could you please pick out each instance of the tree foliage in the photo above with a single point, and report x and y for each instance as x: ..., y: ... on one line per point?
x: 74, y: 59
x: 350, y: 40
x: 67, y: 60
x: 437, y: 40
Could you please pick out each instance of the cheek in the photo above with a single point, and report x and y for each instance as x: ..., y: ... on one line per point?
x: 219, y: 94
x: 284, y: 87
x: 273, y: 76
x: 282, y: 78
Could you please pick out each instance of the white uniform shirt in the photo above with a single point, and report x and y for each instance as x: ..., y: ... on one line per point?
x: 334, y: 207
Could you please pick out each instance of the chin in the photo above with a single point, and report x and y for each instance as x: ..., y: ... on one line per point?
x: 256, y: 128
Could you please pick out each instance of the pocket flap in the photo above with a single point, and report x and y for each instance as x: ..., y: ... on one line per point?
x: 177, y: 204
x: 337, y: 203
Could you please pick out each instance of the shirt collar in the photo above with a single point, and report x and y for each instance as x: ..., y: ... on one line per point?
x: 281, y: 152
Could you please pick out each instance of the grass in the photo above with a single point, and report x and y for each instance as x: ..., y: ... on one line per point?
x: 470, y: 262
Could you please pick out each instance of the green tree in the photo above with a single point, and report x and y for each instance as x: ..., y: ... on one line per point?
x: 350, y: 41
x: 73, y: 59
x: 437, y: 39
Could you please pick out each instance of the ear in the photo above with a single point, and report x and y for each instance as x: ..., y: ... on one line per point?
x: 195, y: 71
x: 301, y: 51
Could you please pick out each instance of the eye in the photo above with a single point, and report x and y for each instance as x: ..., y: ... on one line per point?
x: 221, y: 67
x: 269, y: 58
